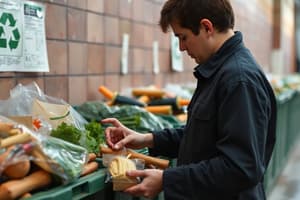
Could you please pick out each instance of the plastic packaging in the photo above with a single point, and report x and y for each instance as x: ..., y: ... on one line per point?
x: 117, y: 171
x: 54, y: 155
x: 47, y: 112
x: 30, y: 100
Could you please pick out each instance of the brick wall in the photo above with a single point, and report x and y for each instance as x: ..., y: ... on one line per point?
x: 84, y: 40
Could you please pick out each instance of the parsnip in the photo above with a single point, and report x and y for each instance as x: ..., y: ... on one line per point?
x: 15, y: 188
x: 15, y: 139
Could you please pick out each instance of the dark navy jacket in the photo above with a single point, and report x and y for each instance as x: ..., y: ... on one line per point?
x: 224, y: 148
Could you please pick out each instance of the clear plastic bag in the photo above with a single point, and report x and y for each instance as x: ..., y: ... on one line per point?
x: 118, y: 175
x: 61, y: 158
x: 30, y: 100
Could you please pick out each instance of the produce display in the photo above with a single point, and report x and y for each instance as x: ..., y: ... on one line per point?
x: 152, y: 99
x: 133, y: 117
x: 45, y: 143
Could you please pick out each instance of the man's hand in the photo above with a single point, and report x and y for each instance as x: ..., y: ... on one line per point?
x: 119, y: 136
x: 151, y: 184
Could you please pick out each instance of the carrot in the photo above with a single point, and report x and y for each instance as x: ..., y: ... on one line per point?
x: 15, y: 188
x: 106, y: 92
x: 160, y: 109
x: 26, y: 195
x: 17, y: 170
x: 92, y: 157
x: 182, y: 117
x: 184, y: 102
x: 148, y: 92
x: 109, y: 103
x: 89, y: 168
x: 144, y: 99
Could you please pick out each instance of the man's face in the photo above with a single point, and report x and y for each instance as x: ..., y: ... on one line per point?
x: 198, y: 46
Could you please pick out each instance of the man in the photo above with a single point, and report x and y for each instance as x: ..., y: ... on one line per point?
x: 223, y: 150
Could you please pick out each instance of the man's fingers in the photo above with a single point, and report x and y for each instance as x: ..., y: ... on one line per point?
x: 112, y: 121
x: 136, y: 173
x: 122, y: 143
x: 115, y: 135
x: 110, y: 138
x: 134, y: 190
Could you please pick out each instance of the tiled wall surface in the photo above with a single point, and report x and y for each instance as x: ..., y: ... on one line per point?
x: 84, y: 41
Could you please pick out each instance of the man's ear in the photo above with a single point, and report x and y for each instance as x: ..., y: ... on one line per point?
x: 207, y: 25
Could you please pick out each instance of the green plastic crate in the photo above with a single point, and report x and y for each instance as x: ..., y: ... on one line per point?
x: 91, y: 186
x: 293, y: 119
x: 284, y: 138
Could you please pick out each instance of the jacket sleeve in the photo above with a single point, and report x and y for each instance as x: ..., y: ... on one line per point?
x: 166, y: 142
x: 243, y: 118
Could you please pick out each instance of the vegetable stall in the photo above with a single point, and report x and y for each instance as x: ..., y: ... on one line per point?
x: 50, y: 149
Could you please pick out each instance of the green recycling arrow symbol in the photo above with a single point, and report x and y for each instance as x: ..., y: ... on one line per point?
x: 15, y: 34
x: 7, y: 16
x: 2, y: 41
x: 13, y: 44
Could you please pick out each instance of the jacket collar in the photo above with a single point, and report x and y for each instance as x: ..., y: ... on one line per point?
x: 207, y: 69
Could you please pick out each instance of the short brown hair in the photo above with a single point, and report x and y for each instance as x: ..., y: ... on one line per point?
x: 189, y: 13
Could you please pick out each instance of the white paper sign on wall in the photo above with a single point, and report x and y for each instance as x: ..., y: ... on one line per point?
x: 125, y: 49
x: 155, y: 57
x: 22, y: 36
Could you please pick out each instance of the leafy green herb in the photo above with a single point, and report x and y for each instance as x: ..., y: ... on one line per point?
x: 95, y: 131
x: 90, y: 138
x: 67, y: 132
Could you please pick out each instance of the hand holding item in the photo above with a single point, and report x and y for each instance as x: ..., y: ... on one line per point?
x: 151, y: 184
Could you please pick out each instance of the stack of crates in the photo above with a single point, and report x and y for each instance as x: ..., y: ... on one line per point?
x: 287, y: 133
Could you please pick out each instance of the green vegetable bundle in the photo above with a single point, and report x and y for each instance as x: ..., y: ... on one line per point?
x: 70, y: 158
x: 90, y: 138
x: 133, y: 117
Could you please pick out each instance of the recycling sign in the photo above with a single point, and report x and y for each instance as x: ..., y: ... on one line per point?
x: 10, y: 33
x: 8, y: 23
x: 23, y: 46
